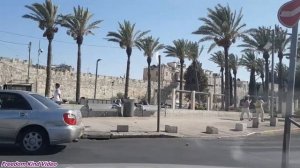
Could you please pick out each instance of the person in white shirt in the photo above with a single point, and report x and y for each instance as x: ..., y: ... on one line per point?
x: 259, y: 108
x: 57, y: 94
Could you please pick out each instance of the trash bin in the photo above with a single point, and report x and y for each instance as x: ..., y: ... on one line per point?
x: 128, y: 110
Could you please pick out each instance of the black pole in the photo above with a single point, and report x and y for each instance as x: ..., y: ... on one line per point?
x: 158, y: 95
x: 290, y: 99
x: 29, y: 51
x: 95, y: 90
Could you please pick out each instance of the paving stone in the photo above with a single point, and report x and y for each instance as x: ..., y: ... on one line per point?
x: 171, y: 129
x: 212, y: 130
x: 255, y: 122
x: 122, y: 128
x: 240, y: 126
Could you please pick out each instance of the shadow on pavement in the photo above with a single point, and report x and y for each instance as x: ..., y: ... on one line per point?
x: 12, y: 150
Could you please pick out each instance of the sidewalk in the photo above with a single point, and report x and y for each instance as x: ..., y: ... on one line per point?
x: 190, y: 124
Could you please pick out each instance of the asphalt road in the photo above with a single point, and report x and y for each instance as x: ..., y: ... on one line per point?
x: 254, y: 151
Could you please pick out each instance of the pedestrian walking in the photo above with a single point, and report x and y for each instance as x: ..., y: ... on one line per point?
x: 260, y: 109
x: 57, y: 94
x: 245, y: 108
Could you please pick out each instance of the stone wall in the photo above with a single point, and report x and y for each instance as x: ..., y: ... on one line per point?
x: 15, y: 70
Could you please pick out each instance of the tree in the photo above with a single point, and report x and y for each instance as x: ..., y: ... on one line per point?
x: 285, y: 72
x: 150, y: 46
x: 234, y: 64
x: 281, y: 41
x: 191, y: 79
x: 46, y: 16
x: 78, y: 26
x: 194, y: 54
x: 219, y: 59
x: 223, y: 27
x: 257, y: 41
x: 180, y: 51
x: 126, y: 37
x: 260, y: 70
x: 248, y: 60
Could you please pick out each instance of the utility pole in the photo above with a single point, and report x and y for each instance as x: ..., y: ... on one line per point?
x: 95, y: 90
x: 272, y: 86
x: 38, y: 66
x: 290, y: 98
x: 158, y: 94
x: 29, y: 51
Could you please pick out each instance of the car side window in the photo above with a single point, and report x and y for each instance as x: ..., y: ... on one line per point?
x: 13, y: 101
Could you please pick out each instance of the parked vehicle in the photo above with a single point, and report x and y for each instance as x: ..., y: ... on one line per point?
x: 33, y: 122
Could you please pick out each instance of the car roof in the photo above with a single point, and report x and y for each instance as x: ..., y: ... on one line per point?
x: 17, y: 91
x: 27, y: 95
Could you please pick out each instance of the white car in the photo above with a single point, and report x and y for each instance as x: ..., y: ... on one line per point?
x: 34, y: 122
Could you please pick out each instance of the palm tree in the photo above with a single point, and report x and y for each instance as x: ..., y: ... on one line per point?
x: 78, y: 26
x: 248, y: 60
x: 194, y: 54
x: 284, y: 70
x: 150, y: 46
x: 46, y: 16
x: 223, y: 27
x: 234, y: 64
x: 219, y: 59
x: 126, y: 37
x: 260, y: 70
x: 180, y: 51
x: 281, y: 41
x: 257, y: 41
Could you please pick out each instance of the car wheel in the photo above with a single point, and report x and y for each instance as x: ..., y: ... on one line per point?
x: 33, y: 141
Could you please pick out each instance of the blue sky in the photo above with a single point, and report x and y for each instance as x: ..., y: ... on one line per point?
x: 167, y: 19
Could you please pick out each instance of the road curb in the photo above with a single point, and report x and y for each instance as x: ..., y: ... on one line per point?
x: 117, y: 135
x: 267, y: 132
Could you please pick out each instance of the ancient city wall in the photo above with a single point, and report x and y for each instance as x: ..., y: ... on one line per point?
x: 15, y: 70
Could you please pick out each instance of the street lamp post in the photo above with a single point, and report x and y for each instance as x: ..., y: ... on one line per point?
x: 112, y: 89
x: 38, y: 66
x: 158, y: 94
x: 29, y: 51
x: 272, y: 86
x: 267, y: 46
x: 95, y: 90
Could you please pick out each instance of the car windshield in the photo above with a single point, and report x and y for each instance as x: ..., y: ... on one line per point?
x: 211, y: 83
x: 46, y: 101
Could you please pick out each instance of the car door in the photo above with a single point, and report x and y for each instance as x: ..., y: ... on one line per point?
x: 14, y: 111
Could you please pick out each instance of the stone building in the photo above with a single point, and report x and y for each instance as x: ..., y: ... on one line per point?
x: 169, y: 72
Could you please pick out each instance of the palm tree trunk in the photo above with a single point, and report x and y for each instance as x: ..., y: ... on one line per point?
x: 280, y: 89
x: 235, y: 93
x: 266, y: 89
x: 78, y: 78
x: 252, y: 83
x: 197, y: 80
x: 181, y: 83
x: 49, y: 61
x: 231, y: 89
x: 196, y: 75
x: 227, y: 80
x: 128, y: 51
x: 149, y: 80
x: 222, y: 87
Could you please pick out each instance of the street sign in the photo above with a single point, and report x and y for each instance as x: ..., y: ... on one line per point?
x: 289, y: 13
